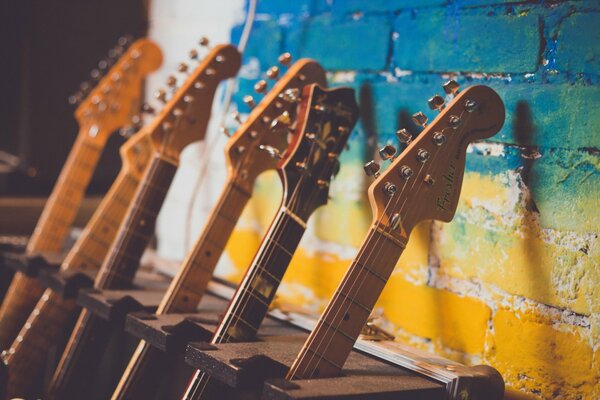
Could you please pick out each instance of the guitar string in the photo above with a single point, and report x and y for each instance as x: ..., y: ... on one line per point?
x: 430, y: 164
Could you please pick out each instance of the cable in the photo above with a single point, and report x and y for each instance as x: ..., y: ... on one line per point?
x: 210, y: 144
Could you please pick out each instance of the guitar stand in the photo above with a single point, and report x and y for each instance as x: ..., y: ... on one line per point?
x: 257, y: 369
x: 114, y: 305
x: 32, y: 264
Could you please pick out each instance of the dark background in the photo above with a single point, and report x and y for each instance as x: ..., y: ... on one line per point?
x: 47, y: 48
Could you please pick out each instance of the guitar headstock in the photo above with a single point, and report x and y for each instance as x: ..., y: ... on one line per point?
x: 424, y: 182
x: 116, y: 98
x: 326, y: 118
x: 256, y: 145
x: 186, y: 112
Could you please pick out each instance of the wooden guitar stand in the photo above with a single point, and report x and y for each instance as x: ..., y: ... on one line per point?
x: 257, y: 369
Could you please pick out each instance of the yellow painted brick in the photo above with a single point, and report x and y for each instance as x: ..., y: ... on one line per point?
x: 240, y: 249
x: 458, y: 322
x: 528, y: 263
x: 536, y: 357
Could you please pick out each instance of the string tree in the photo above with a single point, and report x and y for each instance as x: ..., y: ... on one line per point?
x: 271, y: 151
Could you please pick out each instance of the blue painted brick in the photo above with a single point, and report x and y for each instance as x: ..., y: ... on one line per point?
x: 343, y: 44
x: 352, y: 6
x: 295, y: 7
x: 437, y: 41
x: 578, y: 44
x: 264, y: 44
x: 475, y: 3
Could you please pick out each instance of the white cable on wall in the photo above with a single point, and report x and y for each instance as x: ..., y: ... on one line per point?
x: 211, y: 142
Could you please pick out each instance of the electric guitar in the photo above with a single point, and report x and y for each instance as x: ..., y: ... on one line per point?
x: 423, y: 183
x: 49, y: 319
x: 325, y: 120
x: 108, y: 107
x: 183, y: 120
x: 247, y: 156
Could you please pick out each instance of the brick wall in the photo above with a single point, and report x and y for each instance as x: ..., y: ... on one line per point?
x: 514, y: 280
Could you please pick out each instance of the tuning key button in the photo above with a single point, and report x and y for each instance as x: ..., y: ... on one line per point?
x: 389, y: 189
x: 236, y: 116
x: 436, y: 102
x: 406, y: 172
x: 95, y: 74
x: 429, y: 180
x: 182, y: 67
x: 193, y: 54
x: 454, y: 121
x: 451, y: 87
x: 386, y: 152
x: 439, y: 138
x: 204, y: 42
x: 372, y: 168
x: 260, y: 86
x: 420, y: 119
x: 223, y: 129
x: 76, y: 98
x: 285, y: 59
x: 249, y: 101
x: 273, y: 72
x: 171, y: 81
x: 404, y: 136
x: 161, y: 95
x: 470, y: 105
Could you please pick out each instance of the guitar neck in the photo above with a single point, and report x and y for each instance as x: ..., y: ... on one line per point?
x: 187, y: 288
x: 251, y: 301
x: 66, y: 197
x: 92, y: 246
x: 330, y: 343
x: 137, y: 228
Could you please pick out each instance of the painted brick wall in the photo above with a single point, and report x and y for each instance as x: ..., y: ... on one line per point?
x: 514, y: 280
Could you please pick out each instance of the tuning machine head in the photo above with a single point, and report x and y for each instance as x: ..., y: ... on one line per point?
x: 291, y: 95
x: 436, y: 102
x: 451, y: 87
x: 285, y: 59
x: 271, y: 151
x: 420, y: 119
x: 372, y: 168
x: 273, y: 72
x: 387, y: 152
x: 404, y: 136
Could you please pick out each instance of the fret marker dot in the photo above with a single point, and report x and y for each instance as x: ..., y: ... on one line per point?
x: 208, y: 253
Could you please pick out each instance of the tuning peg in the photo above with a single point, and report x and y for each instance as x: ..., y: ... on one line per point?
x: 249, y: 101
x: 127, y: 132
x: 76, y: 98
x: 271, y: 151
x: 85, y: 86
x: 283, y: 120
x: 204, y: 42
x: 437, y: 102
x: 125, y: 40
x: 372, y: 168
x: 386, y: 152
x: 171, y: 81
x: 420, y: 119
x: 291, y: 95
x: 273, y: 72
x: 95, y: 74
x: 260, y: 86
x: 223, y: 129
x: 148, y: 109
x: 136, y: 121
x: 285, y: 59
x: 236, y: 115
x: 103, y: 64
x: 451, y: 87
x: 161, y: 95
x: 404, y: 136
x: 193, y: 54
x: 182, y: 67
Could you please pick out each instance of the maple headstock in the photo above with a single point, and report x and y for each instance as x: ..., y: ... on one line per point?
x: 116, y: 98
x: 186, y: 111
x: 326, y: 118
x: 424, y: 182
x: 256, y: 145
